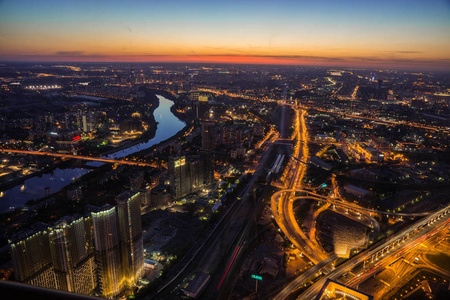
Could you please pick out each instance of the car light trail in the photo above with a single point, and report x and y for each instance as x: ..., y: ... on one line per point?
x: 228, y: 267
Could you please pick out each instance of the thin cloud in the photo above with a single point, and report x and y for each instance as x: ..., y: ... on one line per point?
x: 70, y: 53
x: 409, y: 52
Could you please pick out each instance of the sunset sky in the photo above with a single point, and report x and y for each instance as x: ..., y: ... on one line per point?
x: 398, y: 34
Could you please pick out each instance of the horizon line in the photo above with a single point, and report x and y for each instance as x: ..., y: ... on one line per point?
x: 440, y: 69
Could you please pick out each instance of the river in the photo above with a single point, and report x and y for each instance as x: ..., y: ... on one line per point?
x: 35, y: 187
x: 168, y: 126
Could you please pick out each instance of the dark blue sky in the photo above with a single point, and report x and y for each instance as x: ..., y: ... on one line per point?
x: 396, y: 33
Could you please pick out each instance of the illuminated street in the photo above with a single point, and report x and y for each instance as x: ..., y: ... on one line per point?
x: 100, y: 159
x: 225, y: 150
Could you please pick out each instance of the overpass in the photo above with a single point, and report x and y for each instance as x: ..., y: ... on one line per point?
x: 283, y: 213
x: 347, y: 205
x: 281, y: 203
x: 100, y: 159
x: 393, y: 245
x: 356, y: 116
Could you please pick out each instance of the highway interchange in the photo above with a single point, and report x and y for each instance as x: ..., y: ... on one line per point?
x: 282, y: 205
x: 283, y: 213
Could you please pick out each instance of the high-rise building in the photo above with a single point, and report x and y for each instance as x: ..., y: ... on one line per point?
x: 73, y: 255
x: 119, y: 247
x: 32, y: 260
x: 85, y: 125
x: 208, y: 136
x: 177, y: 176
x: 86, y: 121
x: 75, y: 193
x: 207, y: 153
x: 203, y: 109
x: 200, y: 107
x: 185, y: 175
x: 207, y: 167
x: 59, y: 257
x: 129, y: 217
x: 107, y: 251
x: 194, y: 175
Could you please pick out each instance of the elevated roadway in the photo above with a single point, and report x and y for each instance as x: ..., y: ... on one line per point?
x: 409, y: 237
x: 282, y: 209
x: 296, y: 283
x: 281, y: 204
x: 345, y: 204
x: 347, y: 115
x: 100, y: 159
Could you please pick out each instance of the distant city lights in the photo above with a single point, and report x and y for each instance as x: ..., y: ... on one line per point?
x: 42, y: 87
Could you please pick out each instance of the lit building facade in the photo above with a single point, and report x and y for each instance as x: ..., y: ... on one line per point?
x: 186, y: 175
x: 78, y: 254
x: 60, y: 257
x: 200, y: 105
x: 132, y: 245
x: 177, y: 176
x: 73, y: 256
x: 107, y: 252
x: 119, y: 247
x: 32, y: 261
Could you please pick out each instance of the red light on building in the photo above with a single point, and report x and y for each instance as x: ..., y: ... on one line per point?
x: 76, y: 138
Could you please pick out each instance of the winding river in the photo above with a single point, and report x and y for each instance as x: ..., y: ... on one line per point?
x: 38, y: 186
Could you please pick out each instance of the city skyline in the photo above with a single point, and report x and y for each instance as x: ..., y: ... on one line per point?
x: 211, y: 149
x: 404, y: 34
x: 174, y: 180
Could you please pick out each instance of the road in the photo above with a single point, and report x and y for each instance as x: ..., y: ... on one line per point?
x: 105, y: 160
x: 394, y: 273
x: 349, y: 205
x: 224, y: 288
x: 229, y: 231
x: 282, y: 209
x: 417, y: 125
x: 281, y: 202
x: 294, y: 285
x: 414, y: 239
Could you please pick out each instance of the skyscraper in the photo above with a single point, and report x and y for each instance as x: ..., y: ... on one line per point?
x: 59, y: 257
x: 129, y: 216
x: 207, y: 152
x: 200, y: 106
x: 107, y: 251
x: 32, y: 260
x: 119, y: 247
x: 208, y: 137
x: 177, y: 176
x: 185, y: 175
x: 73, y: 255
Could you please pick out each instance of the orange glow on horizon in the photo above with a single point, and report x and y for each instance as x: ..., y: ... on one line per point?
x: 242, y: 59
x: 353, y: 33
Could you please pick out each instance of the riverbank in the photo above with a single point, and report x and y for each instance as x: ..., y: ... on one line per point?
x: 169, y: 128
x: 173, y: 109
x: 187, y: 118
x: 150, y: 98
x: 17, y: 181
x: 100, y: 186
